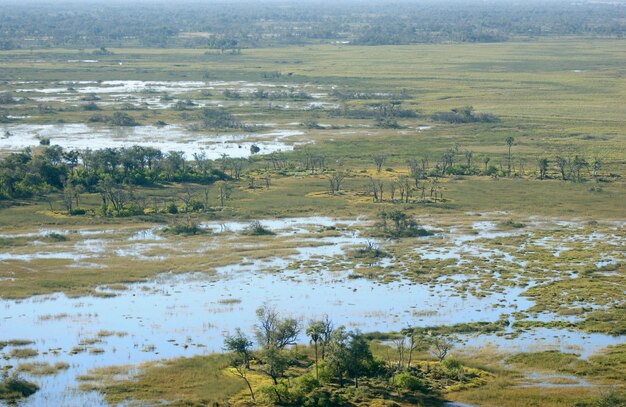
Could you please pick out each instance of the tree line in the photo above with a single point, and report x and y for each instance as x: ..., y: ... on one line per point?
x: 232, y: 26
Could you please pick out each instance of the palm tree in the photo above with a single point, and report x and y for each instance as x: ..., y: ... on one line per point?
x: 509, y: 142
x: 315, y: 331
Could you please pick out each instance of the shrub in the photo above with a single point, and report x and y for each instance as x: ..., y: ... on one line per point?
x: 172, y: 208
x: 123, y: 119
x: 56, y: 237
x: 464, y: 115
x: 324, y: 398
x: 91, y: 107
x: 185, y: 229
x: 407, y: 381
x: 257, y: 229
x: 306, y: 384
x: 276, y: 394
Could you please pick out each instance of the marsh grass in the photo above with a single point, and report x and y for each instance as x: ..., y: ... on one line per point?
x: 23, y: 353
x: 197, y: 380
x: 42, y: 368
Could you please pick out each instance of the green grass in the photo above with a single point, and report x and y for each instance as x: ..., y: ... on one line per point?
x: 180, y: 382
x: 606, y: 368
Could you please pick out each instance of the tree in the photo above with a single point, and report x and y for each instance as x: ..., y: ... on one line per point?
x: 486, y: 160
x: 561, y: 163
x: 338, y: 355
x: 240, y: 371
x: 241, y: 348
x: 275, y: 362
x: 379, y: 160
x: 509, y: 142
x: 400, y: 344
x: 315, y: 331
x: 273, y: 335
x: 202, y: 163
x: 440, y: 347
x: 348, y: 354
x: 469, y: 154
x: 335, y: 180
x: 68, y: 194
x: 360, y: 356
x: 577, y: 166
x: 272, y: 330
x: 416, y: 171
x: 376, y: 188
x: 596, y: 166
x: 224, y: 191
x: 240, y: 345
x: 543, y: 168
x: 415, y: 340
x: 327, y: 330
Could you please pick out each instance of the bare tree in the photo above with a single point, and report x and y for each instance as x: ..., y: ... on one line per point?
x: 224, y: 191
x: 376, y: 189
x: 187, y: 198
x: 561, y: 163
x: 543, y: 167
x: 400, y: 345
x: 416, y: 171
x: 414, y: 342
x: 440, y: 347
x: 578, y: 164
x: 335, y: 180
x: 469, y: 154
x: 68, y: 194
x: 379, y: 160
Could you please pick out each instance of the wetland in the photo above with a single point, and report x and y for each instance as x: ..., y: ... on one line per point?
x: 450, y: 213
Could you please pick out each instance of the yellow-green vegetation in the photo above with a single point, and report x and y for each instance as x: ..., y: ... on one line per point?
x: 42, y: 368
x: 15, y: 342
x: 512, y: 387
x: 208, y: 379
x: 193, y: 381
x: 477, y: 380
x: 23, y: 353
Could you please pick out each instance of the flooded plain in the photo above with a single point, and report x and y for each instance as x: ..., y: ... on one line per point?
x: 183, y: 314
x: 165, y: 138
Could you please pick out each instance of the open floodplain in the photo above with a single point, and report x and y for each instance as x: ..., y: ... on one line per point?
x: 329, y: 154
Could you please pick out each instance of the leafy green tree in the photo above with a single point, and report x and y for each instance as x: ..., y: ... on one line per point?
x: 274, y: 334
x: 338, y: 356
x: 239, y: 344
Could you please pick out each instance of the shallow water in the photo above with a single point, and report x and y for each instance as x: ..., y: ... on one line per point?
x: 165, y: 138
x: 197, y: 309
x: 182, y: 315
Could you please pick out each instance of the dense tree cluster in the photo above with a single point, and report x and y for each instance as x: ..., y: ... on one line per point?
x: 343, y: 367
x: 48, y: 168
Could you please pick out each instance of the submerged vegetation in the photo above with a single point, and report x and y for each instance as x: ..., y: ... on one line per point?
x: 13, y: 388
